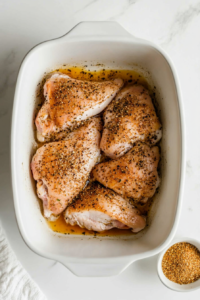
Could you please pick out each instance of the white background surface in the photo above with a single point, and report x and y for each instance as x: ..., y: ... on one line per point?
x: 174, y: 25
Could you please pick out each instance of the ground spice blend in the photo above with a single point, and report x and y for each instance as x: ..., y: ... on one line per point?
x: 181, y: 263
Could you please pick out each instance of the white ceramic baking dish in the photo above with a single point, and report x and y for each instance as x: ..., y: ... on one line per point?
x: 109, y: 44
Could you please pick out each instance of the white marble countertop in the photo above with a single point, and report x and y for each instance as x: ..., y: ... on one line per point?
x: 174, y: 25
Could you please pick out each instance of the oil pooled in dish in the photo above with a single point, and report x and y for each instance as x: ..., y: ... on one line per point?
x: 130, y: 77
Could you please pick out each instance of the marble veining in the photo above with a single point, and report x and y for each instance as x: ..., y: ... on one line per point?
x: 86, y: 6
x: 126, y: 6
x: 182, y: 20
x: 188, y: 168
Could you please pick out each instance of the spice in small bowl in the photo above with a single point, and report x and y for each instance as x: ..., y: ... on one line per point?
x: 179, y: 265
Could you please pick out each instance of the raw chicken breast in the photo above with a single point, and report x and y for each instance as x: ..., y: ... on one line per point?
x: 62, y: 168
x: 98, y: 208
x: 129, y: 117
x: 69, y: 101
x: 133, y: 175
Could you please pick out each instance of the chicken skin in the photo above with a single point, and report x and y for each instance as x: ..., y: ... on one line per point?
x: 69, y: 101
x: 62, y: 168
x: 133, y: 175
x: 98, y: 208
x: 130, y: 117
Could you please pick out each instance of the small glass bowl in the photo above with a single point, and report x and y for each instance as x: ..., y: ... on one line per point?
x: 170, y: 284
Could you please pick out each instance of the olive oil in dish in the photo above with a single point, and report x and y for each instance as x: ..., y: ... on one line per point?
x: 129, y: 76
x: 84, y: 73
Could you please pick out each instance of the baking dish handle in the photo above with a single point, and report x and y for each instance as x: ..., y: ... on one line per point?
x: 97, y: 270
x: 98, y: 29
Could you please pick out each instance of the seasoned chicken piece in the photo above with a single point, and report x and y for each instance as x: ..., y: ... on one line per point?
x: 69, y: 101
x: 62, y: 168
x: 98, y: 208
x: 129, y: 117
x: 133, y: 175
